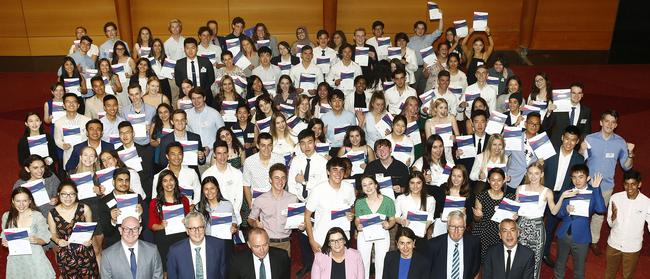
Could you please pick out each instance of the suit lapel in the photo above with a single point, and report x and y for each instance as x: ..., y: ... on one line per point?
x: 188, y: 256
x: 142, y: 260
x: 124, y: 261
x: 500, y: 261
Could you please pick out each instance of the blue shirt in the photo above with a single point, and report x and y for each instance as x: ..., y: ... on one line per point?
x: 416, y: 43
x: 333, y: 121
x: 205, y: 123
x: 603, y: 155
x: 149, y: 113
x: 404, y: 267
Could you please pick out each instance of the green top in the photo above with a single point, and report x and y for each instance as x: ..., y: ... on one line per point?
x: 387, y: 207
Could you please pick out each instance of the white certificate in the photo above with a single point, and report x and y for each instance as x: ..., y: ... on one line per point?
x: 139, y: 124
x: 240, y: 84
x: 307, y: 81
x: 529, y: 204
x: 127, y: 204
x: 434, y: 12
x: 361, y: 55
x: 542, y: 146
x: 512, y: 138
x: 119, y: 70
x: 131, y: 158
x: 220, y: 224
x: 480, y: 21
x: 452, y: 204
x: 340, y: 219
x: 461, y: 28
x: 357, y: 158
x: 167, y: 70
x: 562, y: 100
x: 496, y: 122
x: 386, y: 186
x: 323, y: 148
x: 85, y: 184
x: 581, y: 203
x: 402, y: 152
x: 229, y: 110
x: 506, y: 209
x: 72, y: 85
x: 105, y: 178
x: 347, y: 81
x: 394, y: 53
x: 413, y: 131
x: 82, y: 232
x: 385, y: 123
x: 174, y: 215
x: 446, y: 132
x: 339, y: 133
x: 466, y: 144
x: 270, y: 87
x: 324, y: 63
x: 72, y: 135
x: 382, y: 47
x: 295, y: 215
x: 418, y: 222
x: 58, y: 111
x: 38, y: 145
x: 426, y: 98
x: 144, y: 51
x: 428, y: 55
x: 285, y: 67
x: 37, y: 188
x: 241, y: 60
x: 190, y: 152
x: 372, y: 229
x: 18, y: 241
x: 211, y: 55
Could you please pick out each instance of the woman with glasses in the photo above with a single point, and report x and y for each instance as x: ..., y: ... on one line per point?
x: 75, y: 260
x: 405, y: 262
x: 337, y: 260
x: 23, y: 214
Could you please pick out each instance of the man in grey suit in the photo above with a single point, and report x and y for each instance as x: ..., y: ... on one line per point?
x: 131, y: 258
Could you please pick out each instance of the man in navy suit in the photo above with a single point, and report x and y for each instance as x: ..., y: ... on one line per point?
x: 199, y: 256
x: 180, y: 133
x: 455, y: 255
x: 509, y: 260
x: 579, y: 116
x: 557, y: 177
x: 94, y: 129
x: 574, y: 233
x: 197, y: 69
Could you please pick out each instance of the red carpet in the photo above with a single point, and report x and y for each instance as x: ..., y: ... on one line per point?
x: 608, y: 86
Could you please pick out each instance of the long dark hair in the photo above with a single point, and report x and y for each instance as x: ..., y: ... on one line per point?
x: 75, y: 71
x: 26, y: 132
x: 149, y: 73
x: 259, y: 115
x: 235, y: 141
x: 278, y: 89
x: 515, y: 78
x: 464, y: 188
x: 250, y: 93
x: 115, y: 156
x: 479, y: 99
x: 157, y: 122
x: 423, y: 192
x: 535, y: 91
x: 139, y: 40
x: 346, y: 140
x: 201, y: 207
x: 427, y: 161
x: 12, y: 217
x: 316, y: 99
x: 24, y: 175
x: 326, y: 247
x: 160, y: 199
x: 162, y: 57
x: 115, y: 59
x: 317, y: 121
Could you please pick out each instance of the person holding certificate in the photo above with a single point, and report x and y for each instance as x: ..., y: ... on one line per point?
x: 227, y: 94
x: 285, y: 93
x: 35, y: 169
x: 458, y: 186
x: 229, y: 69
x: 284, y: 142
x: 408, y: 58
x: 236, y: 153
x: 535, y: 197
x: 493, y: 157
x: 415, y: 200
x: 212, y: 201
x: 110, y: 208
x: 23, y: 218
x: 441, y: 118
x: 285, y: 56
x: 161, y: 125
x: 486, y: 203
x: 457, y: 78
x: 415, y: 124
x: 35, y: 141
x: 377, y: 111
x: 53, y: 108
x: 138, y: 108
x: 227, y: 176
x: 110, y: 159
x: 168, y: 194
x: 342, y: 74
x: 73, y: 81
x: 73, y: 259
x: 337, y: 120
x: 190, y: 184
x: 512, y: 86
x: 574, y: 235
x: 70, y: 129
x: 478, y: 54
x: 354, y: 144
x: 336, y: 260
x: 396, y: 95
x: 377, y: 212
x: 403, y: 147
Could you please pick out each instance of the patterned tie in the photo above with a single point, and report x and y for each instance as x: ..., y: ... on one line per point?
x: 193, y: 74
x: 455, y: 263
x: 508, y: 263
x: 198, y: 265
x: 572, y: 116
x: 262, y: 270
x: 134, y: 264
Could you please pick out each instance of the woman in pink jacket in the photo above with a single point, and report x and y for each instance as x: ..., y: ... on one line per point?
x: 337, y: 260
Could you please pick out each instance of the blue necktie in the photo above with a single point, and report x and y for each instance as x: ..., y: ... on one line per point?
x: 455, y: 263
x: 134, y: 264
x: 572, y: 116
x: 193, y: 74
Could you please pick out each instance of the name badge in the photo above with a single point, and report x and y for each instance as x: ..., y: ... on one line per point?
x: 609, y: 155
x: 583, y: 121
x: 251, y: 135
x: 289, y: 101
x: 111, y: 203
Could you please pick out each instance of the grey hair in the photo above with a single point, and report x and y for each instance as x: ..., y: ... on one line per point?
x: 456, y: 214
x: 193, y: 214
x: 509, y: 221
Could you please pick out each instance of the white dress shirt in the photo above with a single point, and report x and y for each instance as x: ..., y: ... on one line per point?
x: 196, y: 69
x: 205, y: 123
x: 513, y: 251
x: 211, y: 48
x: 450, y: 256
x: 272, y: 73
x: 203, y: 257
x: 487, y: 92
x: 322, y: 200
x: 175, y: 49
x: 626, y: 234
x: 329, y: 52
x: 562, y: 166
x: 317, y: 173
x: 340, y: 67
x: 300, y: 69
x: 256, y: 174
x: 78, y: 121
x: 394, y: 99
x: 267, y: 266
x: 127, y: 252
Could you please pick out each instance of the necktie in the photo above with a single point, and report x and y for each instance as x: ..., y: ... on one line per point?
x: 479, y: 147
x: 322, y: 53
x: 193, y: 74
x: 306, y: 176
x: 198, y: 265
x: 572, y: 116
x: 508, y: 263
x: 262, y: 270
x: 455, y: 263
x: 134, y: 264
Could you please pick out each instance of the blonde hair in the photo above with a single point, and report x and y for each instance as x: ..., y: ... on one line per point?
x: 502, y: 156
x: 435, y: 104
x: 301, y: 98
x: 274, y: 131
x: 172, y: 21
x: 150, y: 80
x: 537, y: 164
x: 81, y: 168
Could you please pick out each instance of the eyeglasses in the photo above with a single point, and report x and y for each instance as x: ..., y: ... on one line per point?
x: 337, y: 241
x: 533, y: 124
x: 456, y: 228
x: 131, y: 230
x: 68, y: 195
x: 196, y: 229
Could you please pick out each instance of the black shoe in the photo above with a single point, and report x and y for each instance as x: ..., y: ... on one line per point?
x: 547, y: 260
x: 302, y: 272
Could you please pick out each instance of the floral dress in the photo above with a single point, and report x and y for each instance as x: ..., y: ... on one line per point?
x: 75, y: 260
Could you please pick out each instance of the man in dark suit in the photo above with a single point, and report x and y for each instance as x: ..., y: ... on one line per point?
x: 197, y: 69
x: 580, y: 116
x: 143, y: 261
x: 509, y: 260
x: 144, y: 152
x: 108, y: 211
x: 259, y: 258
x: 94, y: 130
x: 479, y: 123
x: 180, y: 133
x: 199, y: 256
x: 449, y: 249
x: 557, y: 177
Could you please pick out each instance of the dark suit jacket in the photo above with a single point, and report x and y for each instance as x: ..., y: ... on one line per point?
x: 146, y: 174
x: 438, y: 256
x: 419, y: 268
x: 242, y: 266
x: 522, y: 265
x: 555, y: 124
x: 181, y: 266
x: 74, y: 158
x: 23, y: 149
x: 206, y: 77
x: 170, y: 138
x: 110, y: 231
x: 469, y: 162
x: 551, y: 171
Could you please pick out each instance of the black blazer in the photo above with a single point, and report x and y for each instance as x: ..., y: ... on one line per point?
x: 419, y: 268
x: 522, y: 266
x: 146, y: 174
x: 242, y: 266
x: 206, y: 75
x: 556, y: 122
x: 23, y: 149
x: 169, y: 138
x: 551, y: 171
x: 110, y: 231
x: 437, y: 255
x: 74, y: 158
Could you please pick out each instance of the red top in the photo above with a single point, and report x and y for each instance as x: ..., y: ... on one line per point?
x: 154, y: 218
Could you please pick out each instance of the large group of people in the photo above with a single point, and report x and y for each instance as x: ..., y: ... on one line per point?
x: 217, y: 156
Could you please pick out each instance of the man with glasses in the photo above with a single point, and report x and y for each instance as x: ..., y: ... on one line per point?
x: 198, y: 256
x: 131, y: 257
x: 455, y: 255
x: 262, y: 260
x: 518, y: 161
